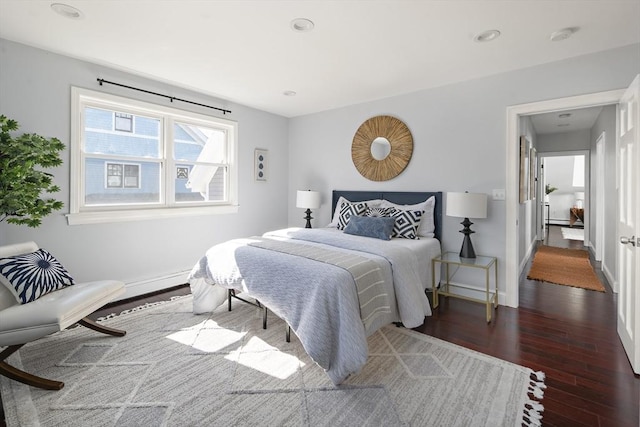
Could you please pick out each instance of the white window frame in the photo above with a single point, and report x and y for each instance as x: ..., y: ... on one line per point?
x: 167, y: 207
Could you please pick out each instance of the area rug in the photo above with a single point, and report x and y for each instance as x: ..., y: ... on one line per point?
x: 174, y: 368
x: 569, y: 267
x: 572, y: 233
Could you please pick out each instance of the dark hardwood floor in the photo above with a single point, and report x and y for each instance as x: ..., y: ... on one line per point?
x: 568, y: 333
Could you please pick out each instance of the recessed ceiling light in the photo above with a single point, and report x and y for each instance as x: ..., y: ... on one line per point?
x: 486, y: 36
x: 564, y: 115
x: 66, y: 10
x: 302, y: 25
x: 563, y: 34
x: 289, y: 93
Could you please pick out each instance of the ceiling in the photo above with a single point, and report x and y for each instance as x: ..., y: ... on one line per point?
x: 565, y: 121
x: 246, y: 52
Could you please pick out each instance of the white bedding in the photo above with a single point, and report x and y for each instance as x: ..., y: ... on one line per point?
x: 319, y: 300
x: 424, y: 249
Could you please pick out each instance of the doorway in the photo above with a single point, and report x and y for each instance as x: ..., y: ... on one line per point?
x: 514, y: 115
x: 566, y: 199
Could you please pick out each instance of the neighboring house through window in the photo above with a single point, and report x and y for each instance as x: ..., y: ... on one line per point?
x: 136, y: 160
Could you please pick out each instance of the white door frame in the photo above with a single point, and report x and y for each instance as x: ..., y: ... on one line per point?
x: 514, y: 112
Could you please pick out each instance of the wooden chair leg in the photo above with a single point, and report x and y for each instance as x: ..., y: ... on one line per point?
x: 22, y: 376
x: 88, y: 323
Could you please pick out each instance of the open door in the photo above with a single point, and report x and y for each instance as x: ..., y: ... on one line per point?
x: 629, y: 223
x: 543, y: 203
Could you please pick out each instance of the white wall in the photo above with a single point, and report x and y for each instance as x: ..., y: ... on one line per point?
x: 35, y: 90
x: 459, y: 138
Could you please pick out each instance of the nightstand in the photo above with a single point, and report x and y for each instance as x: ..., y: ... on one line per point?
x: 453, y: 261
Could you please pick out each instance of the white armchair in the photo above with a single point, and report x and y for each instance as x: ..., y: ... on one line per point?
x: 52, y: 312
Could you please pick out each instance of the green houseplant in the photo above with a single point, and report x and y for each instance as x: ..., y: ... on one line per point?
x: 548, y: 189
x: 22, y: 182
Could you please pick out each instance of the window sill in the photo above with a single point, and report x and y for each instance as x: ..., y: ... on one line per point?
x: 146, y: 214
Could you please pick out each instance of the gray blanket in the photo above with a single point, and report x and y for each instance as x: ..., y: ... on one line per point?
x: 367, y: 275
x: 318, y: 300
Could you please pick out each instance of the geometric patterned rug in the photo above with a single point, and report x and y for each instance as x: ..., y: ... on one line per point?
x: 174, y: 368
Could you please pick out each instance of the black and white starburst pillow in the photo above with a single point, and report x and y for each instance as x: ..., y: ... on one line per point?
x: 30, y: 276
x: 379, y: 212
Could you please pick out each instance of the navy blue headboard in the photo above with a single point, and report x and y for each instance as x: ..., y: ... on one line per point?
x: 398, y: 197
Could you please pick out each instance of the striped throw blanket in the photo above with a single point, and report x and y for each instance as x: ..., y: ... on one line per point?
x: 373, y: 299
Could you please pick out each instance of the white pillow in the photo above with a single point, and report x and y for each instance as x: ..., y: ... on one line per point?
x: 427, y: 226
x: 336, y: 213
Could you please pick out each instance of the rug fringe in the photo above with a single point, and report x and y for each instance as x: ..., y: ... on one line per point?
x: 532, y: 414
x: 140, y: 307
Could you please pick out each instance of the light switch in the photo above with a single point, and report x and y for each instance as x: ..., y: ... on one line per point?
x: 498, y: 194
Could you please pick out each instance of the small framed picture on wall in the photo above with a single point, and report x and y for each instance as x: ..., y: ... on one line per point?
x: 261, y: 164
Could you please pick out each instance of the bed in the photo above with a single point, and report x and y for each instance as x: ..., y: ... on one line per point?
x: 334, y: 286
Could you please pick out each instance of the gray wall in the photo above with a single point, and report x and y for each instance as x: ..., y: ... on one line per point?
x: 35, y: 90
x: 459, y: 144
x: 606, y: 122
x: 459, y: 138
x: 527, y: 210
x: 564, y: 141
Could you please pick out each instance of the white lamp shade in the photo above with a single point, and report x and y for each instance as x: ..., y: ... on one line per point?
x: 467, y: 205
x: 580, y: 195
x: 308, y: 199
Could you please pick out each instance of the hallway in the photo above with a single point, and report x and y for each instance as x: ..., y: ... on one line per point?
x: 554, y: 238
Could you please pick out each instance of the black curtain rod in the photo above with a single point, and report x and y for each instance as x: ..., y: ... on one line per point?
x: 172, y: 98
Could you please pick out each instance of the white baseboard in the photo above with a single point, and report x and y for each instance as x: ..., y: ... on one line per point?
x: 525, y: 259
x: 612, y: 281
x: 141, y: 287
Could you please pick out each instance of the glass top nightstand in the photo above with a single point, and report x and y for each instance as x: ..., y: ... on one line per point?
x: 449, y: 259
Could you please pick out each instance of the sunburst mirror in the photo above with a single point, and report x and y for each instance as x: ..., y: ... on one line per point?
x: 381, y: 148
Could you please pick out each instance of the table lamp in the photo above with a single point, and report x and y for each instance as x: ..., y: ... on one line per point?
x: 467, y: 205
x: 308, y: 200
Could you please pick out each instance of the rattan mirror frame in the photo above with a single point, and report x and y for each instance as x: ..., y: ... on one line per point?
x: 398, y: 135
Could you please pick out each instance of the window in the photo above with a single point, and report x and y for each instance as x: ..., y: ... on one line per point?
x: 123, y: 122
x: 135, y: 160
x: 121, y: 175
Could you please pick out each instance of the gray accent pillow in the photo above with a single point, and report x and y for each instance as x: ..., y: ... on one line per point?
x: 368, y: 226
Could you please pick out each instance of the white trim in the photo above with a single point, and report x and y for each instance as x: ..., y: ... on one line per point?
x: 100, y: 217
x: 512, y: 190
x: 146, y: 286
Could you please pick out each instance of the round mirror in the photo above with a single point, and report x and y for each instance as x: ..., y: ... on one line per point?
x: 380, y: 148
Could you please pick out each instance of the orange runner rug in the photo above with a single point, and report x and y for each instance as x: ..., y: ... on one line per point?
x: 569, y: 267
